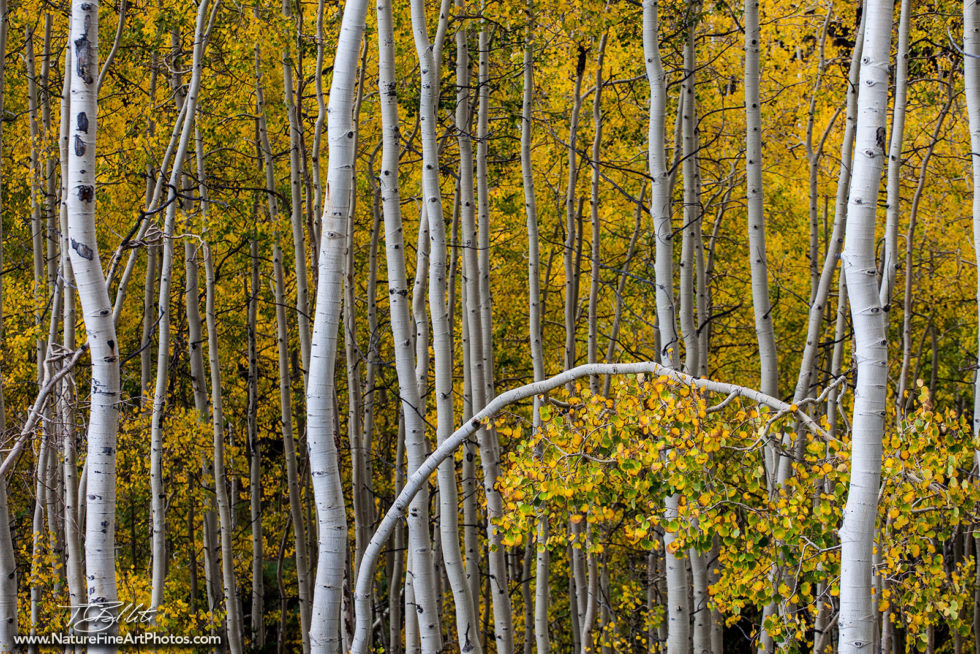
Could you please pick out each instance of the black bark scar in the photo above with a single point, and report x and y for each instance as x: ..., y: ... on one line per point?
x: 83, y: 250
x: 84, y: 52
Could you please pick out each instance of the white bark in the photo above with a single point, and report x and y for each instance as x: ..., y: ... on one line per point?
x: 677, y: 587
x: 971, y: 84
x: 413, y: 410
x: 232, y: 613
x: 8, y: 568
x: 331, y: 515
x: 893, y: 197
x: 593, y: 344
x: 66, y: 407
x: 296, y: 217
x: 692, y: 200
x: 542, y: 558
x: 255, y: 456
x: 289, y: 448
x: 768, y: 360
x: 158, y: 498
x: 100, y: 569
x: 476, y: 307
x: 856, y: 621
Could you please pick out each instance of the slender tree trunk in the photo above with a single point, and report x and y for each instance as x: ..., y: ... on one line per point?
x: 692, y: 200
x: 296, y: 216
x: 542, y: 557
x: 571, y: 296
x: 678, y: 615
x: 100, y: 568
x: 593, y: 345
x: 893, y: 203
x: 325, y: 629
x: 856, y: 618
x: 158, y: 497
x: 768, y: 359
x: 66, y: 405
x: 255, y: 456
x: 233, y: 616
x: 971, y: 87
x: 289, y: 449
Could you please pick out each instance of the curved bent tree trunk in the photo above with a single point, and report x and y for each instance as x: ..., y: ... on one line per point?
x: 447, y: 448
x: 856, y: 620
x: 100, y: 562
x: 320, y: 411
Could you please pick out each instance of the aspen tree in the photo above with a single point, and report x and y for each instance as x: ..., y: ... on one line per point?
x: 232, y: 611
x: 971, y: 87
x: 542, y: 637
x: 593, y: 344
x: 678, y: 612
x: 889, y: 265
x: 100, y: 569
x: 856, y: 621
x: 692, y: 200
x: 296, y: 214
x: 412, y: 405
x: 254, y: 452
x: 66, y: 409
x: 285, y: 393
x: 479, y: 312
x: 325, y: 626
x: 768, y: 359
x: 163, y: 346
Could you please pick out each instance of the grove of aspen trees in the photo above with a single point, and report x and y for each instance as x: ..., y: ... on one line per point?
x: 490, y: 326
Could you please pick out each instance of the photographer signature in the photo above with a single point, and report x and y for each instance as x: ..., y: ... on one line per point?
x: 99, y: 617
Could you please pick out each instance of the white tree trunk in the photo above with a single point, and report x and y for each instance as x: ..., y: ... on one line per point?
x: 768, y: 360
x: 678, y: 617
x: 542, y: 559
x: 856, y: 620
x: 971, y: 84
x: 233, y: 616
x: 100, y: 568
x: 158, y: 498
x: 322, y: 436
x: 296, y: 217
x: 401, y: 324
x: 255, y: 456
x: 893, y: 203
